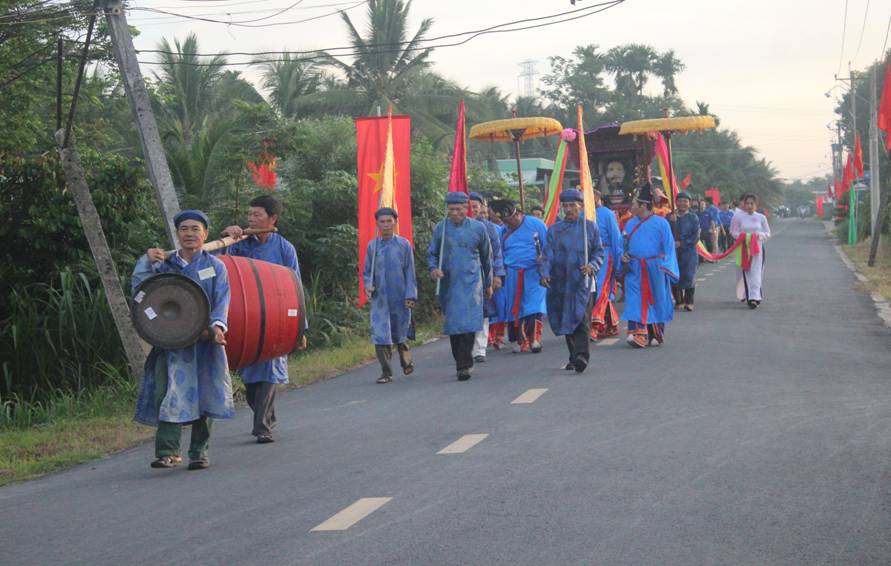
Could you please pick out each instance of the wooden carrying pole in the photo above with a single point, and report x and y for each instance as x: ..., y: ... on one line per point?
x: 227, y: 241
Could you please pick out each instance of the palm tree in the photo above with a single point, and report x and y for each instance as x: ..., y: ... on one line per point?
x: 631, y: 64
x: 288, y: 81
x: 384, y: 58
x: 187, y: 81
x: 667, y: 67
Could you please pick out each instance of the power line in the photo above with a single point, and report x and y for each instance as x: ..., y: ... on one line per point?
x: 243, y: 23
x: 885, y: 45
x: 841, y: 55
x: 607, y: 4
x: 323, y: 56
x: 862, y: 29
x: 141, y: 21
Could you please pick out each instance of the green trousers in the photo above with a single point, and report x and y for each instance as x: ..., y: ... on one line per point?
x: 169, y: 435
x: 167, y: 439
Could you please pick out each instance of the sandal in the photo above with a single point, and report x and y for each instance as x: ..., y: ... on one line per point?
x: 167, y: 462
x: 200, y: 464
x: 384, y: 379
x: 407, y: 370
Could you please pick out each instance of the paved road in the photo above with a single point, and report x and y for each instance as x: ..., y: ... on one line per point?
x: 750, y: 438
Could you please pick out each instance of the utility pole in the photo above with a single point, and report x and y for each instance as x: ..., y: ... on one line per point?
x: 92, y: 225
x: 874, y: 191
x: 146, y: 125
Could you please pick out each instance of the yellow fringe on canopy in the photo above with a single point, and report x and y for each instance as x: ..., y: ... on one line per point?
x: 676, y: 124
x: 526, y: 128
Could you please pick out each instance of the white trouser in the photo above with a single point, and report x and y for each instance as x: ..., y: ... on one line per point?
x: 753, y: 279
x: 481, y: 340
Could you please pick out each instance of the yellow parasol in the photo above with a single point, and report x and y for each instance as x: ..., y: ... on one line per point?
x: 516, y: 130
x: 668, y: 126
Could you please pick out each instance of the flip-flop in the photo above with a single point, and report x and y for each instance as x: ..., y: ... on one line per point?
x: 167, y: 462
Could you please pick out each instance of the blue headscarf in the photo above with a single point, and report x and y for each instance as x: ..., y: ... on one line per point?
x: 572, y: 195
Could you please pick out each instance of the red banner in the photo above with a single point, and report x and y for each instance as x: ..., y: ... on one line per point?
x: 715, y: 194
x: 372, y: 169
x: 820, y: 207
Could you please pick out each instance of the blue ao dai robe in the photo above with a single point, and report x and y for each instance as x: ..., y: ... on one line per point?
x: 279, y: 251
x: 570, y: 291
x: 612, y: 243
x: 521, y: 249
x: 198, y: 380
x: 467, y: 268
x: 394, y: 283
x: 654, y: 244
x: 490, y: 309
x: 688, y: 257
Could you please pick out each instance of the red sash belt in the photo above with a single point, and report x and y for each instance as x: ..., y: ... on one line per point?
x: 518, y: 297
x: 646, y: 292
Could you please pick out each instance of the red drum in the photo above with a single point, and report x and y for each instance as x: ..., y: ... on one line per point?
x: 267, y: 314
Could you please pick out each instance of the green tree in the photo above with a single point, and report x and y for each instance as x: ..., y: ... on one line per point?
x: 380, y: 72
x: 289, y: 80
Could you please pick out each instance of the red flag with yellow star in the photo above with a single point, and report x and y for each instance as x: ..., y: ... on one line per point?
x: 384, y: 169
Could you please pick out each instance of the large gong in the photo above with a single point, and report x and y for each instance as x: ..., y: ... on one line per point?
x: 170, y: 311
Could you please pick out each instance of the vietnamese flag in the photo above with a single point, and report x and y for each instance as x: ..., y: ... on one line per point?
x: 383, y: 156
x: 883, y: 120
x: 848, y: 176
x: 715, y: 194
x: 819, y: 207
x: 687, y: 180
x: 858, y: 157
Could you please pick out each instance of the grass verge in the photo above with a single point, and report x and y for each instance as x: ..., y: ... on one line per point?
x: 80, y: 428
x: 879, y: 276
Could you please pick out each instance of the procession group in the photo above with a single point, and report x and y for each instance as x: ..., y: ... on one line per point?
x: 499, y: 275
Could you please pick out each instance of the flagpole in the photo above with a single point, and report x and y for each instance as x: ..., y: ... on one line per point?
x: 441, y: 251
x: 374, y: 257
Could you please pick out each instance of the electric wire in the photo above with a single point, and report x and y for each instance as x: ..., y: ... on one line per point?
x: 841, y: 55
x: 474, y: 33
x: 862, y: 29
x: 324, y: 56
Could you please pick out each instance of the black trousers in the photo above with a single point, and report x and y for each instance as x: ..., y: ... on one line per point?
x: 577, y: 342
x: 261, y: 399
x: 688, y: 295
x: 462, y: 349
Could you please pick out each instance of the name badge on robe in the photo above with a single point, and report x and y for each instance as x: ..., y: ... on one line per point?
x: 207, y: 273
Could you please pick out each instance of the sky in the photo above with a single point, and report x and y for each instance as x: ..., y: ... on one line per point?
x: 763, y: 66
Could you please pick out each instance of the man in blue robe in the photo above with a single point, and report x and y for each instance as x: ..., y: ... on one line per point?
x: 392, y: 291
x: 650, y: 267
x: 490, y: 308
x: 188, y: 385
x: 568, y: 270
x: 460, y: 258
x: 604, y: 317
x: 726, y: 217
x: 261, y: 379
x: 687, y: 237
x: 525, y: 299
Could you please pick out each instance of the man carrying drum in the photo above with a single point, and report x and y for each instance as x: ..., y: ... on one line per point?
x: 261, y: 379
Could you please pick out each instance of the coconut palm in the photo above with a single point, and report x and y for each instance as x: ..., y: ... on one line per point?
x: 667, y: 67
x: 288, y: 80
x: 186, y: 82
x: 631, y: 65
x: 384, y: 58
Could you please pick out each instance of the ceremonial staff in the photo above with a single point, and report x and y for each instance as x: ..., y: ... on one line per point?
x: 442, y: 248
